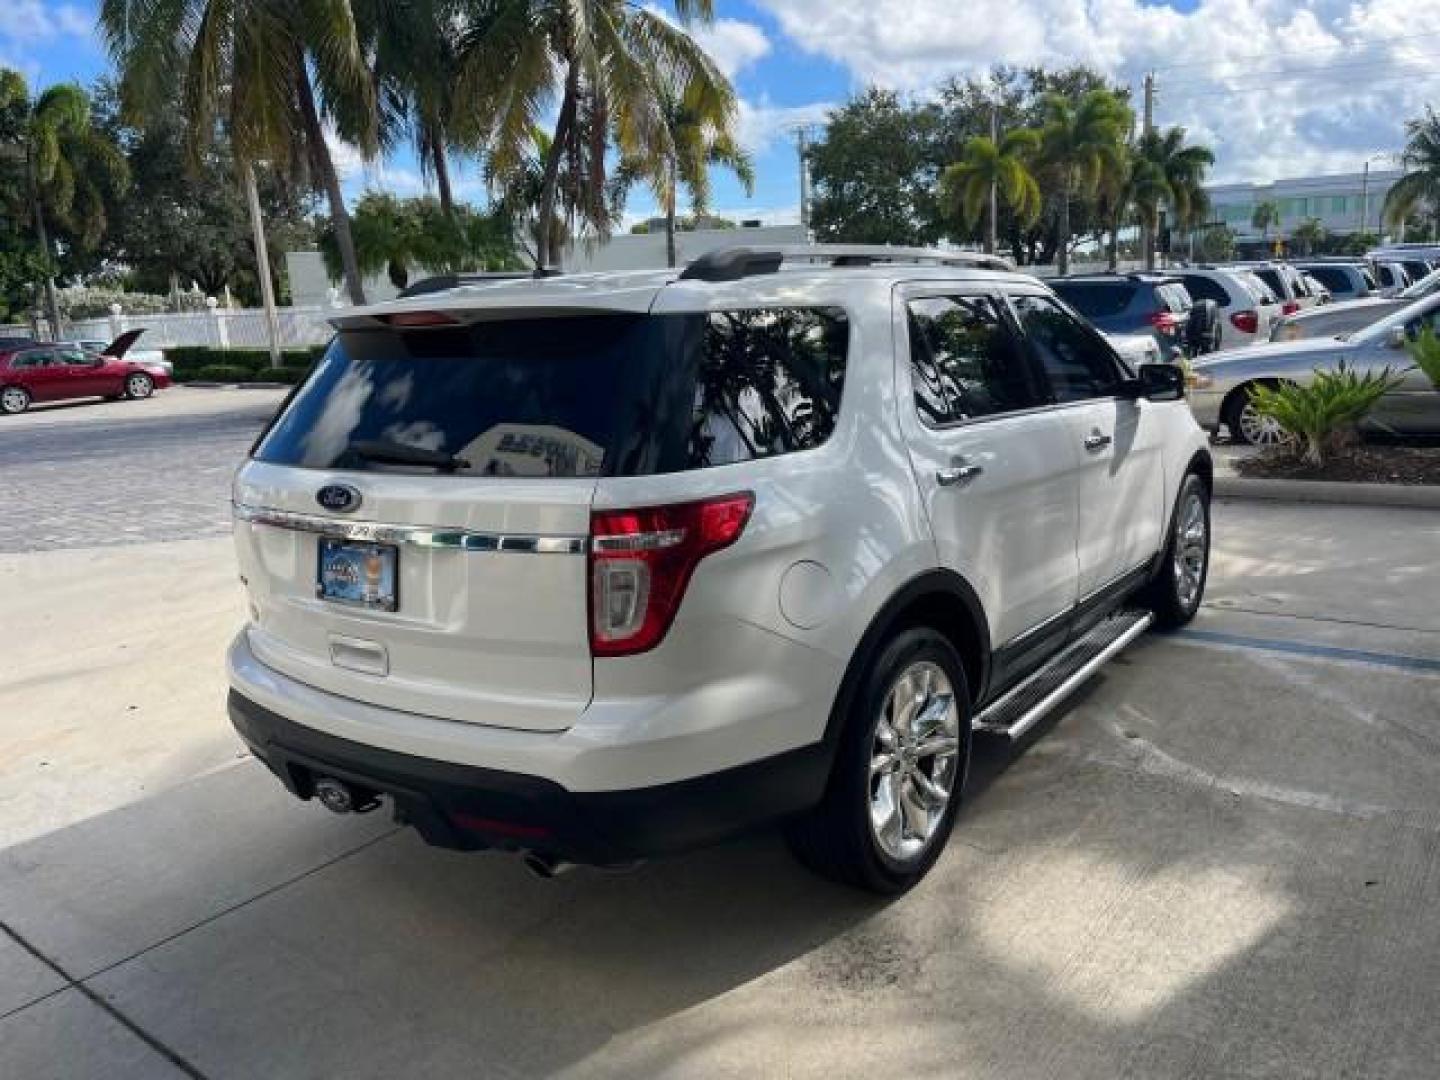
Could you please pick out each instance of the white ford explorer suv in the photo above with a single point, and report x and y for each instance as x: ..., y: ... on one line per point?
x: 602, y: 567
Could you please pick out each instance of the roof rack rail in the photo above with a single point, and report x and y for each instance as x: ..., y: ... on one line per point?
x: 734, y: 263
x: 446, y: 282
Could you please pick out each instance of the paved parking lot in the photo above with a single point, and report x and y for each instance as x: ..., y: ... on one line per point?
x: 1223, y: 859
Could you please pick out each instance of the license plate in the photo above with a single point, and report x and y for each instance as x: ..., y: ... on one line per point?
x: 361, y: 574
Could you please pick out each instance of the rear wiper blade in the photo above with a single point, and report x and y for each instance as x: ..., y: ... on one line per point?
x: 387, y: 452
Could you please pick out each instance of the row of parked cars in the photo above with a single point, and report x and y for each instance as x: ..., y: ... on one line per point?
x: 1271, y: 322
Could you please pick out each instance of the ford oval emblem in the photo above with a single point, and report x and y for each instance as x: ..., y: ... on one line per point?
x: 338, y: 498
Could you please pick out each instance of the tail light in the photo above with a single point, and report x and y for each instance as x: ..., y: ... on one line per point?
x: 1290, y: 307
x: 641, y: 561
x: 1165, y: 322
x: 1247, y: 322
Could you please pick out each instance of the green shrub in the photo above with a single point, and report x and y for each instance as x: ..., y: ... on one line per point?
x: 1425, y: 351
x: 1324, y: 412
x: 191, y: 360
x: 224, y: 373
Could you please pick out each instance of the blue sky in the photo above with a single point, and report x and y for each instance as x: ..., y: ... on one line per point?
x: 1278, y: 87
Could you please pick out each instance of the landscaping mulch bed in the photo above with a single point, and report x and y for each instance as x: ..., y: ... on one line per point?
x: 1368, y: 464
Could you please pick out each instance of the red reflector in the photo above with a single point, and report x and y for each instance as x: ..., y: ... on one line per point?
x: 1164, y: 321
x: 1291, y: 306
x: 419, y: 318
x: 641, y: 561
x: 1247, y: 322
x: 500, y: 828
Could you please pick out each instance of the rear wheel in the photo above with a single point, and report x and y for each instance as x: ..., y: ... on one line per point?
x: 1246, y: 424
x: 138, y: 385
x: 899, y: 770
x: 1174, y: 594
x: 14, y: 399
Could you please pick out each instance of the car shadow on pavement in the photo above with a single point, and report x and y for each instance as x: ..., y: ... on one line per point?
x: 1086, y: 920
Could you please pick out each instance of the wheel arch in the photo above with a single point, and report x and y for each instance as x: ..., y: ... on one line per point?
x: 938, y: 598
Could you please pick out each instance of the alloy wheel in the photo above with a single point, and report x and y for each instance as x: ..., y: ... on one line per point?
x: 13, y: 400
x: 1260, y: 430
x: 914, y: 761
x: 138, y: 386
x: 1192, y: 550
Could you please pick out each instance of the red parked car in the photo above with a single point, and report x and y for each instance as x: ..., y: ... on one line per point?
x: 39, y: 371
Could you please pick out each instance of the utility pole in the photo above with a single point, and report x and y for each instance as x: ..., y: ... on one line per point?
x: 262, y: 264
x: 1147, y: 235
x: 802, y: 145
x: 1365, y: 196
x: 992, y: 236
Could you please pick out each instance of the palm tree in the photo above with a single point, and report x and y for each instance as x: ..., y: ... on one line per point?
x: 1309, y: 234
x: 609, y: 61
x: 1081, y: 143
x: 700, y: 128
x: 246, y: 66
x: 67, y: 168
x: 1265, y: 217
x: 1003, y: 168
x: 1168, y: 172
x: 1420, y: 186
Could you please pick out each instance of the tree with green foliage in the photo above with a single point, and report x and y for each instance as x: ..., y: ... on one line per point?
x: 874, y: 171
x: 58, y: 171
x: 1309, y: 234
x: 1081, y: 145
x: 701, y: 131
x: 608, y: 61
x: 399, y: 236
x: 1265, y: 217
x: 1166, y: 171
x: 1216, y: 244
x: 1419, y: 189
x: 1001, y: 168
x: 266, y: 73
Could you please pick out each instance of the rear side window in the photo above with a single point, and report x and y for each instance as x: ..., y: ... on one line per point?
x: 1204, y: 288
x: 1368, y: 277
x: 570, y: 396
x: 1095, y: 300
x: 1272, y: 279
x: 964, y: 362
x: 1333, y: 278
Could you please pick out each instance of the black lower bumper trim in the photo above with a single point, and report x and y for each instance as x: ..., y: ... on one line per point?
x: 467, y: 808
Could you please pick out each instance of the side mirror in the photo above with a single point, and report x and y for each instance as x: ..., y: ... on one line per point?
x: 1161, y: 382
x: 1396, y: 338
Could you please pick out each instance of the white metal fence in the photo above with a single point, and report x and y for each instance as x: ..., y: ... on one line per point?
x: 236, y: 328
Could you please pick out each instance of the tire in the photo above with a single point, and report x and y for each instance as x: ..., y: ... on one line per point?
x: 1175, y: 592
x: 1244, y: 426
x: 14, y: 400
x: 841, y: 839
x: 138, y: 386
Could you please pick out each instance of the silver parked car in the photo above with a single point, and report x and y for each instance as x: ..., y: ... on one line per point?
x: 1221, y: 385
x: 1351, y: 315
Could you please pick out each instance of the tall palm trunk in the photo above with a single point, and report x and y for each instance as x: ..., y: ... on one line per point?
x: 42, y: 236
x: 435, y: 139
x: 330, y: 180
x: 262, y: 265
x: 1062, y: 255
x: 670, y: 257
x: 550, y: 179
x: 1112, y: 249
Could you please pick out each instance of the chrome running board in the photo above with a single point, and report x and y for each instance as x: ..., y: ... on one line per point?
x: 1024, y: 706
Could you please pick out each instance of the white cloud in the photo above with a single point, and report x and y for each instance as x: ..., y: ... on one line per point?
x: 732, y: 44
x: 1248, y: 76
x: 761, y: 124
x: 31, y: 22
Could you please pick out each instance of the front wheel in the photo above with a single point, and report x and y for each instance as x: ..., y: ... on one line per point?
x: 138, y: 385
x: 1174, y: 594
x: 899, y: 771
x: 13, y: 400
x: 1247, y: 424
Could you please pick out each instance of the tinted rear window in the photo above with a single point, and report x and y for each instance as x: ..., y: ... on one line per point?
x: 1095, y: 300
x: 593, y: 395
x: 1333, y: 278
x: 1204, y: 288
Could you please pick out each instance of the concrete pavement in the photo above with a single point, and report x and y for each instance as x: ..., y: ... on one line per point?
x: 1222, y: 860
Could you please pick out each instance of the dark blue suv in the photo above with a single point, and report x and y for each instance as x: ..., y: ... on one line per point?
x: 1153, y: 304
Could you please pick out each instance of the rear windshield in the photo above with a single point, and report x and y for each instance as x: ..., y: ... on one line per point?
x: 1095, y: 300
x: 1333, y: 278
x: 589, y: 395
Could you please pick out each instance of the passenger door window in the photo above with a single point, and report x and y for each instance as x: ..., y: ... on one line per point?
x: 964, y: 361
x: 1078, y: 362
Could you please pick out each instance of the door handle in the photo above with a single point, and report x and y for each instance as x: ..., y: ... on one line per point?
x: 960, y: 472
x: 1097, y: 441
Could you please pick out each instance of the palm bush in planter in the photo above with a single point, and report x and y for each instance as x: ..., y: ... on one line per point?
x: 1425, y: 351
x: 1323, y: 413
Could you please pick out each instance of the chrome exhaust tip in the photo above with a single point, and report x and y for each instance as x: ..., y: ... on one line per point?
x: 334, y: 795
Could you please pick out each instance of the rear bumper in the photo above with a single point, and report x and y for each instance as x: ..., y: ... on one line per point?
x: 466, y: 807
